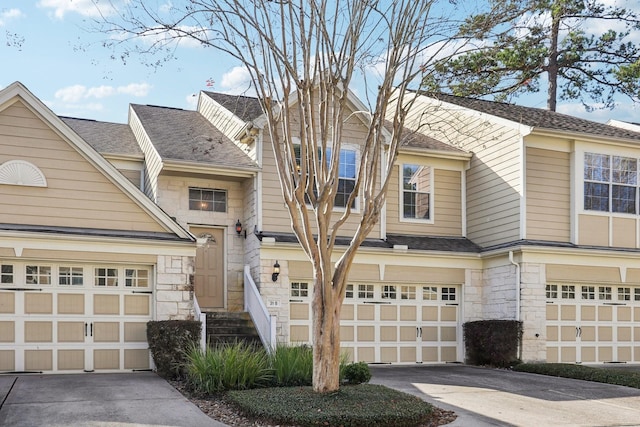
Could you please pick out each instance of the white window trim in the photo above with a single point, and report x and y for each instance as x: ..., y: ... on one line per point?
x: 401, y: 218
x: 347, y: 146
x: 579, y: 200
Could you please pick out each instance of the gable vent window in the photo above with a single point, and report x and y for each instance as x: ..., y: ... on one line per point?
x: 204, y: 199
x: 19, y: 172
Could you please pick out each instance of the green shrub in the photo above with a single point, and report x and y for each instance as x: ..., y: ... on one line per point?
x: 292, y: 365
x: 364, y: 405
x: 357, y: 373
x: 492, y: 342
x: 580, y: 372
x: 169, y: 342
x: 228, y: 367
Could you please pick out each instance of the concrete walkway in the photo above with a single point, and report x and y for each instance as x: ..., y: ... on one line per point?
x: 484, y: 397
x: 96, y: 400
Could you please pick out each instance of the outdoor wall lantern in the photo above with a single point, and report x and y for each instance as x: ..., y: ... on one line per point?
x: 276, y: 271
x: 238, y: 227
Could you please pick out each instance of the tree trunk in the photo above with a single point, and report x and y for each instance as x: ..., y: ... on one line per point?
x: 326, y: 337
x: 552, y: 67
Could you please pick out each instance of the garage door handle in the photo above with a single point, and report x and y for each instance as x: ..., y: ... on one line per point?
x: 85, y: 329
x: 578, y: 332
x: 418, y: 332
x: 91, y: 329
x: 377, y: 302
x: 142, y: 292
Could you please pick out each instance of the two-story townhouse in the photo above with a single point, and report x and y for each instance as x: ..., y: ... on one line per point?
x: 553, y: 202
x: 404, y: 303
x: 86, y: 259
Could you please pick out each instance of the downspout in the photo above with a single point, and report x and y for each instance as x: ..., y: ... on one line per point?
x: 518, y: 286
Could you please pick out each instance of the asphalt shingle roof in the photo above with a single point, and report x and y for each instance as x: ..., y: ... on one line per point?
x: 184, y: 135
x: 247, y: 108
x: 427, y: 243
x: 413, y: 139
x: 538, y: 118
x: 105, y: 137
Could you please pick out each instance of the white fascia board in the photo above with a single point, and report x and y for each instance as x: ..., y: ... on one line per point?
x: 16, y: 89
x: 102, y: 244
x: 426, y: 152
x: 588, y: 137
x: 193, y: 167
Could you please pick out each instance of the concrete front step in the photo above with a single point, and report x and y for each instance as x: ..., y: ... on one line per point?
x: 229, y: 328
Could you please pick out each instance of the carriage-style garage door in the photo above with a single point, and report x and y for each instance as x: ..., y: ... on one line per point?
x: 389, y: 323
x: 73, y: 317
x: 589, y: 323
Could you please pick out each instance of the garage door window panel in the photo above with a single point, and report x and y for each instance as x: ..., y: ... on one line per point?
x: 106, y: 277
x: 136, y: 278
x: 71, y: 276
x: 6, y: 274
x: 38, y: 274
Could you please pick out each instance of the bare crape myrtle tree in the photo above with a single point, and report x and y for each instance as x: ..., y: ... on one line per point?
x: 303, y: 56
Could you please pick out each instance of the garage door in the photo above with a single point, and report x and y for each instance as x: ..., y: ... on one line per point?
x: 389, y: 323
x: 73, y: 318
x: 589, y: 323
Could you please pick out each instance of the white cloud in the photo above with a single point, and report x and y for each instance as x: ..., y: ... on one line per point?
x: 9, y: 14
x: 135, y: 89
x: 624, y: 111
x: 237, y: 81
x: 82, y: 7
x: 77, y: 93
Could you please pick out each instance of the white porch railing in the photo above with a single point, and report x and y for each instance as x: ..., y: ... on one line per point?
x: 203, y: 321
x: 264, y: 322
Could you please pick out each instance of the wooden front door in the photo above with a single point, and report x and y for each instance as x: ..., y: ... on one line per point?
x: 209, y: 274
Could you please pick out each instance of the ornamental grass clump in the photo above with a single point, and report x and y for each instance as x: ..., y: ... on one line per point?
x: 228, y: 367
x: 292, y: 365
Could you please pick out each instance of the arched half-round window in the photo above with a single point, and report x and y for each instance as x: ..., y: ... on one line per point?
x: 19, y: 172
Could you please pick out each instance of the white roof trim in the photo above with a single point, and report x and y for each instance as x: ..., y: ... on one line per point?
x: 17, y: 89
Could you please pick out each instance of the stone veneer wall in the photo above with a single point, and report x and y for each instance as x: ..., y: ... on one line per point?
x: 499, y: 292
x: 174, y: 288
x: 533, y: 312
x: 277, y: 291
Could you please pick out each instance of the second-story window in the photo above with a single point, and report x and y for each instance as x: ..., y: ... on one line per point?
x: 346, y: 173
x: 416, y: 192
x: 205, y: 199
x: 610, y: 183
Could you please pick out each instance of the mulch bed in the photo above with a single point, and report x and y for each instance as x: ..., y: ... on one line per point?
x: 220, y: 410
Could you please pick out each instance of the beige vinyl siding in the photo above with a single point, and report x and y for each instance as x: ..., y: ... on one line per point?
x: 593, y: 230
x: 275, y: 216
x: 447, y: 206
x: 153, y: 161
x: 624, y: 232
x: 493, y: 180
x: 77, y: 194
x: 548, y: 195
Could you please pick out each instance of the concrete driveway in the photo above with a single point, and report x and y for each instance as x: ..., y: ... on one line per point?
x: 96, y: 400
x: 491, y: 397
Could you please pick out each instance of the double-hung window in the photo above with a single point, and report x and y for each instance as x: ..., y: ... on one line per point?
x: 610, y: 183
x: 347, y: 168
x: 416, y: 192
x: 206, y: 199
x: 346, y: 175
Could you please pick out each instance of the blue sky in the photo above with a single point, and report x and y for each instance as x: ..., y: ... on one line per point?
x: 45, y: 45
